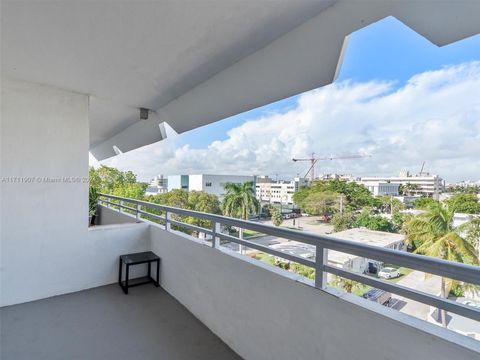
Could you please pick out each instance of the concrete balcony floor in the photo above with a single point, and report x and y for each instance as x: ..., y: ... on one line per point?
x: 103, y: 323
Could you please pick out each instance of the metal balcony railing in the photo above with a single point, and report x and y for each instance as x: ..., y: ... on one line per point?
x: 457, y: 271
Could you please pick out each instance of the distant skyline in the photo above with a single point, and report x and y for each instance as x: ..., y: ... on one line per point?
x: 398, y: 97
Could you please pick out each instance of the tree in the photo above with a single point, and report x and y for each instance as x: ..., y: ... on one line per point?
x: 268, y: 209
x: 425, y: 202
x: 277, y: 217
x: 408, y: 189
x: 434, y: 235
x: 355, y: 196
x: 374, y: 222
x: 390, y: 205
x: 109, y: 180
x: 464, y: 203
x: 321, y: 203
x: 342, y: 221
x: 193, y: 200
x: 240, y: 202
x: 471, y: 229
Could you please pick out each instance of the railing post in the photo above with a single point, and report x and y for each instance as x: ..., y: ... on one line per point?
x: 120, y: 207
x: 321, y: 259
x: 137, y: 214
x: 216, y: 230
x: 167, y: 220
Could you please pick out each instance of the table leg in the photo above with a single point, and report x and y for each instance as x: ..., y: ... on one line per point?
x: 158, y: 274
x: 126, y: 279
x: 120, y: 272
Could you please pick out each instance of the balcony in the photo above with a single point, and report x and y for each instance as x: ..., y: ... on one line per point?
x: 80, y: 77
x: 256, y: 310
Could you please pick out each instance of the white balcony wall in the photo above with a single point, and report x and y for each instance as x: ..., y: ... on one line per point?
x: 268, y: 314
x: 46, y: 247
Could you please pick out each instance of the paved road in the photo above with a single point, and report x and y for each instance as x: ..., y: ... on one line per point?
x: 418, y: 281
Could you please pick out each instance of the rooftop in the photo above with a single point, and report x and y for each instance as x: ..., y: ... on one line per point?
x: 362, y: 236
x: 369, y: 237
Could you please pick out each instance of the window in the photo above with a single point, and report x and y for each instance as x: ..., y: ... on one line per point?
x: 208, y: 184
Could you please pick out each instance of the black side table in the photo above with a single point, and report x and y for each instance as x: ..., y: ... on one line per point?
x: 147, y: 257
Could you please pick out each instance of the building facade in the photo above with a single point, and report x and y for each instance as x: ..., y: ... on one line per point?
x: 279, y: 192
x: 178, y: 182
x: 381, y: 188
x: 425, y: 184
x: 158, y: 185
x: 211, y: 184
x: 215, y: 184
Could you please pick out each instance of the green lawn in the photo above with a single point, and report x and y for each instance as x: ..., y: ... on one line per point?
x: 403, y: 273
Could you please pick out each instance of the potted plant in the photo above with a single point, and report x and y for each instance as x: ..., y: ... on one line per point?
x: 92, y: 205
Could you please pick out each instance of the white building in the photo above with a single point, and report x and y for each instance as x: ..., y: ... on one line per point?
x: 178, y: 182
x: 280, y: 192
x: 429, y: 185
x: 211, y: 184
x: 158, y: 185
x: 381, y: 188
x: 214, y: 184
x: 367, y: 237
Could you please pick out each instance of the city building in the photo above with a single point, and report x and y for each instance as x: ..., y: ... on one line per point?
x: 381, y: 188
x: 368, y: 237
x: 158, y: 185
x: 335, y: 176
x: 178, y: 182
x: 76, y: 77
x: 278, y: 192
x: 425, y: 184
x: 214, y: 184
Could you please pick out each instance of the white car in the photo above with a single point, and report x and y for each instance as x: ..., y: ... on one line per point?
x: 389, y: 273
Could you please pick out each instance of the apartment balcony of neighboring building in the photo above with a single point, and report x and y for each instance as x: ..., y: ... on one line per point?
x: 108, y: 78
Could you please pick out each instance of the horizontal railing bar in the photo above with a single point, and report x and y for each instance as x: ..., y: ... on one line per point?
x: 155, y: 216
x: 118, y: 205
x: 128, y: 207
x: 457, y: 271
x: 413, y: 294
x: 109, y: 203
x: 267, y: 250
x: 191, y: 227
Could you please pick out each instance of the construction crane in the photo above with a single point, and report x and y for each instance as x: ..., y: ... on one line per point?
x: 313, y: 160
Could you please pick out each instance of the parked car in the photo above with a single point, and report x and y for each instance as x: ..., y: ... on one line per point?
x: 389, y: 273
x: 379, y: 296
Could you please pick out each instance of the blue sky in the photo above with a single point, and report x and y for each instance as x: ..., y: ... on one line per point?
x: 404, y: 101
x: 387, y: 50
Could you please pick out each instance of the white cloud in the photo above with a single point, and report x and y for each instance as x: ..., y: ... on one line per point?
x: 434, y: 117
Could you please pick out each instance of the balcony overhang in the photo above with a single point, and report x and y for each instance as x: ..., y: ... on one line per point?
x: 195, y: 63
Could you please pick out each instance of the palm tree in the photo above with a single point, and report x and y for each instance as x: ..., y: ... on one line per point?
x: 434, y: 235
x: 471, y: 229
x: 240, y: 202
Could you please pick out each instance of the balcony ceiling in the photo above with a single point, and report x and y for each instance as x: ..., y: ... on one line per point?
x: 195, y: 62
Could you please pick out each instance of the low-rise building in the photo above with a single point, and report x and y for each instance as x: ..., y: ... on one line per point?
x: 424, y: 184
x: 158, y: 185
x: 178, y: 182
x: 280, y: 191
x: 211, y: 184
x: 381, y: 188
x: 368, y: 237
x: 214, y: 184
